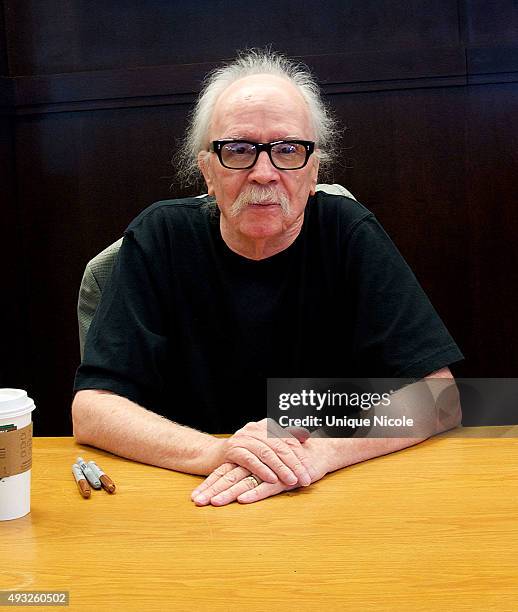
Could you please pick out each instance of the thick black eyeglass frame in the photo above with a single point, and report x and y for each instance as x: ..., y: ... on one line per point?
x: 217, y: 145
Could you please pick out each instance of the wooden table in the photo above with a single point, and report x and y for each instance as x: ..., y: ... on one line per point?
x: 434, y: 527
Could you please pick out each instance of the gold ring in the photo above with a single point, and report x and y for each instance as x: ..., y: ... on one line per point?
x: 255, y: 479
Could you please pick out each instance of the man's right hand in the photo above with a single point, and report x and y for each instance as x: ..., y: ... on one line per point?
x: 270, y: 452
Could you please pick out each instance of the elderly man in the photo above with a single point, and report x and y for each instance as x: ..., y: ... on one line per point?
x: 263, y: 278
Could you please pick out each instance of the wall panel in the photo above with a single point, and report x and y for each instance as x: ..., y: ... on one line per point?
x: 96, y: 94
x: 411, y: 145
x: 13, y: 303
x: 63, y: 36
x: 82, y: 177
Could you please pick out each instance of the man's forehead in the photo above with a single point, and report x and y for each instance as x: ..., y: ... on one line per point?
x: 257, y: 83
x: 260, y: 91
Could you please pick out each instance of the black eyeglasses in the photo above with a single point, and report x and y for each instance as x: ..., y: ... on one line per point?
x: 242, y: 154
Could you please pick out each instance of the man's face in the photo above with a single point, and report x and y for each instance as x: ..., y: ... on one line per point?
x: 260, y: 108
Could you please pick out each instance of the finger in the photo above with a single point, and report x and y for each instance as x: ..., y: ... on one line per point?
x: 247, y: 457
x: 293, y: 437
x: 220, y: 486
x: 262, y: 491
x: 275, y: 454
x: 290, y: 451
x: 213, y: 477
x: 302, y: 455
x: 259, y: 457
x: 284, y: 455
x: 232, y: 493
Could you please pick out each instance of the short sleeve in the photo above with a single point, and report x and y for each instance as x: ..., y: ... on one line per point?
x: 126, y: 346
x: 396, y: 332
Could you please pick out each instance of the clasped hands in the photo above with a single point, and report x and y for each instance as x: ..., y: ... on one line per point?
x: 258, y: 461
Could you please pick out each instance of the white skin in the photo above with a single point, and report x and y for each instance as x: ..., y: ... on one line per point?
x: 260, y: 108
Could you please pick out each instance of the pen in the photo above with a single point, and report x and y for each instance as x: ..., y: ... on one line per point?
x: 82, y: 483
x: 90, y: 475
x: 106, y: 482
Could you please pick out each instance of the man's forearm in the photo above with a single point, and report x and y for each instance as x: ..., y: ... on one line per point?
x: 118, y: 425
x: 342, y: 452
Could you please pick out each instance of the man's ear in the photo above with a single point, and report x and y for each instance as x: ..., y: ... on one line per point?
x: 314, y: 175
x: 203, y: 165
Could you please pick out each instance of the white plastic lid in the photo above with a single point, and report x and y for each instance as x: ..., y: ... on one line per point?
x: 14, y: 403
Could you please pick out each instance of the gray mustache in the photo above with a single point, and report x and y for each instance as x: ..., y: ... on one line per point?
x: 260, y: 195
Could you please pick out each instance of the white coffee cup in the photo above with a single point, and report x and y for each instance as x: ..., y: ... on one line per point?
x: 15, y: 453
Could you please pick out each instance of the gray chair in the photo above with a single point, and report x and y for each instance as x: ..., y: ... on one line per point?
x: 98, y: 271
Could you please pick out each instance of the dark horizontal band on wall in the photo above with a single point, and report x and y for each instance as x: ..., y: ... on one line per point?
x: 401, y: 64
x: 109, y: 103
x: 186, y: 79
x: 493, y: 79
x: 337, y: 88
x: 393, y: 84
x: 337, y: 73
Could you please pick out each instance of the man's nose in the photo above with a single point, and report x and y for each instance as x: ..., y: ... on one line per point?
x: 263, y: 171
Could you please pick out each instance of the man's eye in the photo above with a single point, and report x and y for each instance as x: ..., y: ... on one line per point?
x: 287, y: 149
x: 239, y: 149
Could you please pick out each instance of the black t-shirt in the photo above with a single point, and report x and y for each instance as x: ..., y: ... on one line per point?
x: 191, y: 330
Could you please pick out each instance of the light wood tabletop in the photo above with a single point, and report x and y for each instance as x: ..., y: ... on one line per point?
x: 433, y: 527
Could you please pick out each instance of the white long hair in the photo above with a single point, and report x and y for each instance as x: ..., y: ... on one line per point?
x: 247, y: 63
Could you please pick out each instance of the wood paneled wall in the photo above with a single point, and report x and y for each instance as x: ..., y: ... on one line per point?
x: 12, y: 299
x: 94, y: 95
